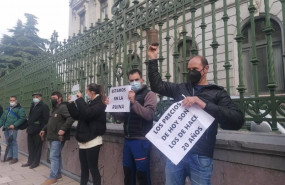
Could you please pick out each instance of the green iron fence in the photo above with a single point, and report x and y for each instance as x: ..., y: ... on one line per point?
x: 105, y: 52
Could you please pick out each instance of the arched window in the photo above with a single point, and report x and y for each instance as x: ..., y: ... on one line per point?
x: 180, y: 65
x: 81, y: 21
x: 103, y: 9
x: 261, y: 47
x: 134, y: 61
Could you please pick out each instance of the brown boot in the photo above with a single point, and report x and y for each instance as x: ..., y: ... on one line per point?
x: 49, y: 181
x: 8, y: 159
x: 13, y: 161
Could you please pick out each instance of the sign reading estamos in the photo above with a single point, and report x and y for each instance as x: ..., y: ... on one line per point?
x: 118, y: 99
x: 178, y: 130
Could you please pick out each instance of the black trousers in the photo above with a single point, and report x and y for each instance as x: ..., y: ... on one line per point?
x: 89, y: 162
x: 35, y: 149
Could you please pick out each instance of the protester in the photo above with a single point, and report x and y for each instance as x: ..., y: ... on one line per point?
x: 1, y: 110
x: 38, y: 118
x: 137, y: 123
x: 91, y: 126
x: 198, y: 162
x: 57, y: 132
x: 12, y: 118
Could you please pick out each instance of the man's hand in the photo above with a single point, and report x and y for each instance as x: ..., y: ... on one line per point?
x: 61, y: 132
x: 152, y: 52
x: 42, y: 133
x: 132, y: 96
x: 11, y: 127
x: 190, y: 100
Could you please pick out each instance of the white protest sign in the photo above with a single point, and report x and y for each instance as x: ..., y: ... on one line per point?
x: 178, y: 130
x: 118, y: 99
x: 74, y: 90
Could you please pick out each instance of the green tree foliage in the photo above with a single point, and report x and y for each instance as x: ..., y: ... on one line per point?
x: 22, y: 45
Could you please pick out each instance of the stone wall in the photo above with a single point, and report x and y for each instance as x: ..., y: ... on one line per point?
x: 240, y: 158
x: 249, y: 158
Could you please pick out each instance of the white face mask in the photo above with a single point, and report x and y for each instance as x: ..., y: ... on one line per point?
x: 12, y: 104
x: 36, y: 100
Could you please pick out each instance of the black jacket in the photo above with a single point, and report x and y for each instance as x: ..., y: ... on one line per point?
x: 91, y: 118
x: 38, y: 118
x: 218, y: 104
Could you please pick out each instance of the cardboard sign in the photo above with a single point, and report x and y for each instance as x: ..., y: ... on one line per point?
x: 118, y: 99
x: 178, y: 130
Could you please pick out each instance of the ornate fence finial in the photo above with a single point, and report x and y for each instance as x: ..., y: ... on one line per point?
x: 53, y: 41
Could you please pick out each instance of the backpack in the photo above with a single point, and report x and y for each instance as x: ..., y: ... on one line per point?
x: 24, y: 125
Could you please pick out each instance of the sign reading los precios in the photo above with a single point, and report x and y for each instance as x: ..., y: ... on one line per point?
x: 178, y: 130
x: 118, y: 99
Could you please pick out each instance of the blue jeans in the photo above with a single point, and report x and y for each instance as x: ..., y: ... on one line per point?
x: 136, y: 161
x: 55, y: 158
x: 13, y: 151
x: 198, y: 168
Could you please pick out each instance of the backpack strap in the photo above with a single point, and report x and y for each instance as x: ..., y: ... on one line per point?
x: 12, y: 113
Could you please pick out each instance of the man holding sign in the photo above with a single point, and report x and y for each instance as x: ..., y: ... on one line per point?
x: 137, y: 123
x: 199, y: 94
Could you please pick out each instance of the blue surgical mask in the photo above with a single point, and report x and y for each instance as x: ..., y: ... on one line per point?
x: 36, y: 100
x: 87, y: 97
x: 136, y: 85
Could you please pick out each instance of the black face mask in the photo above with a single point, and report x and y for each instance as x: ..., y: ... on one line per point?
x: 194, y: 77
x: 53, y: 102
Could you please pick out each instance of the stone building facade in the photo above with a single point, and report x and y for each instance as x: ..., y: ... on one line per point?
x: 86, y: 13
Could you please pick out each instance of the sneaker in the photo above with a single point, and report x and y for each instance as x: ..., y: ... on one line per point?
x: 13, y: 161
x: 59, y: 178
x: 49, y: 181
x: 26, y: 165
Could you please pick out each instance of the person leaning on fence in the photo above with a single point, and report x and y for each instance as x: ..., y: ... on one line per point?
x: 198, y: 162
x: 137, y: 124
x: 38, y: 118
x: 57, y: 131
x: 91, y: 126
x: 13, y: 116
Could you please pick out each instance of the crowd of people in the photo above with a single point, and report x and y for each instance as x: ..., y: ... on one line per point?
x: 54, y: 125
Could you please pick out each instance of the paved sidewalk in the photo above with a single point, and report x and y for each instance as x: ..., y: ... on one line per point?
x: 16, y: 175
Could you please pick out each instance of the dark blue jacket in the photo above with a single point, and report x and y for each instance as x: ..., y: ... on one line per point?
x: 136, y: 126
